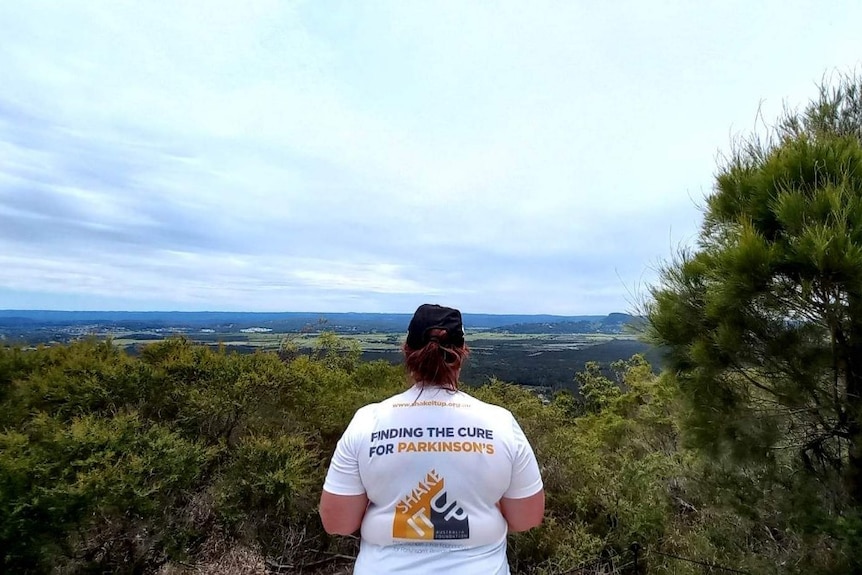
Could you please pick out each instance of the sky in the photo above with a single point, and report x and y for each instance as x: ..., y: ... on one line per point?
x: 329, y: 156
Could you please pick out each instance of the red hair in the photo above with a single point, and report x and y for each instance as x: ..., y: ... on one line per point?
x: 435, y: 363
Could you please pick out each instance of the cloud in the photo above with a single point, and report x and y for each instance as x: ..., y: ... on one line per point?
x: 362, y: 157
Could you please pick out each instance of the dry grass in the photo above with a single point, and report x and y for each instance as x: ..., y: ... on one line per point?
x: 225, y: 556
x: 221, y: 558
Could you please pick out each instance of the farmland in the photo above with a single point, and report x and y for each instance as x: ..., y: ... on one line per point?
x: 541, y: 351
x: 546, y: 360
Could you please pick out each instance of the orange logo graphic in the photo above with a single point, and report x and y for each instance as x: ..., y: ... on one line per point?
x: 427, y: 513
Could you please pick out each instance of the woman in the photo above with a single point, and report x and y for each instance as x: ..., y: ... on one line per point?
x: 434, y: 477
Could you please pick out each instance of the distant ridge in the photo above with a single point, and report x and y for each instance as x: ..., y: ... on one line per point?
x: 283, y: 320
x: 612, y: 323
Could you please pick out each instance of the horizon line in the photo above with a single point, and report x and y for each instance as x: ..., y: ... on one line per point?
x: 34, y: 310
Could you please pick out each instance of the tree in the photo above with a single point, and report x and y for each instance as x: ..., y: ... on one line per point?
x: 597, y: 390
x: 762, y: 320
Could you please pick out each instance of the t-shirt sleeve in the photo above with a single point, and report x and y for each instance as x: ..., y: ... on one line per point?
x: 526, y: 479
x: 342, y: 477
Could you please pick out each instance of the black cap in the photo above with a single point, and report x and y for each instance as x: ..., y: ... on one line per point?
x: 431, y: 316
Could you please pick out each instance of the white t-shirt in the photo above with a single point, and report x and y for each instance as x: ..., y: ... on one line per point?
x: 433, y: 464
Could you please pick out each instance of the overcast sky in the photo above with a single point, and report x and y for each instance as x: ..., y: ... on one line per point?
x: 265, y: 155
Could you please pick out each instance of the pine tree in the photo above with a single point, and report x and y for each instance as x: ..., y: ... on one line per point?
x: 762, y: 320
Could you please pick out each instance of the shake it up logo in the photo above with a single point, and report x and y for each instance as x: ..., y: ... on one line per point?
x: 428, y: 513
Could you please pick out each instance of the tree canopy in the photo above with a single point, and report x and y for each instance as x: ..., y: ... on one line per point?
x: 762, y: 319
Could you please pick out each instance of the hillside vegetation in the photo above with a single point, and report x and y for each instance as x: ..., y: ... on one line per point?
x: 184, y: 458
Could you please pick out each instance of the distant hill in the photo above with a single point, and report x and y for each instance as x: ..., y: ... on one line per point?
x: 300, y: 321
x: 612, y: 323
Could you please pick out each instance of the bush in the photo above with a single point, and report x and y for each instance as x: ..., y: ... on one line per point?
x: 94, y: 490
x: 121, y: 464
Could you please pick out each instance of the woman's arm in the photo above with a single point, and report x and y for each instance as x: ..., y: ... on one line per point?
x: 342, y: 514
x: 523, y: 514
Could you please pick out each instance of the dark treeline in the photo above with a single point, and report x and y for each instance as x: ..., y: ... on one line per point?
x: 547, y: 369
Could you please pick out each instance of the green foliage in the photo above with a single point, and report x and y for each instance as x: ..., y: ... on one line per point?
x: 208, y: 394
x: 598, y: 391
x: 89, y: 484
x: 610, y: 474
x: 120, y: 464
x: 285, y: 473
x: 554, y: 547
x: 85, y: 378
x: 763, y: 323
x: 765, y: 319
x: 335, y: 352
x: 111, y: 463
x: 330, y: 395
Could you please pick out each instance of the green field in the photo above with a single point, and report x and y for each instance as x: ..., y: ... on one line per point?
x: 378, y: 342
x: 547, y: 360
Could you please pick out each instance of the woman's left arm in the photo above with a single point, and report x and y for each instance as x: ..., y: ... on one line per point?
x: 342, y: 514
